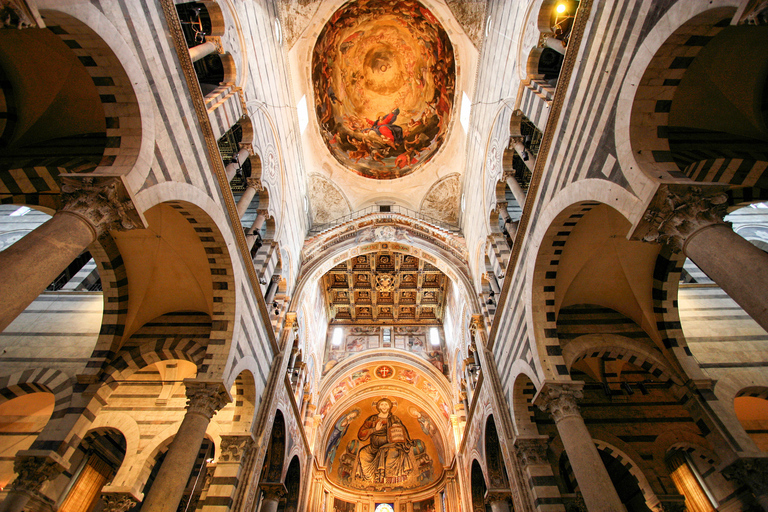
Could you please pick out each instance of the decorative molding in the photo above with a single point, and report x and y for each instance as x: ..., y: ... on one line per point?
x: 273, y: 490
x: 256, y: 184
x: 497, y: 495
x: 679, y: 211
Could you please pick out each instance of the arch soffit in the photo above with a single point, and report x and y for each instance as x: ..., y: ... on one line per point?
x: 678, y: 15
x: 445, y: 251
x: 566, y: 202
x: 34, y: 380
x: 127, y: 426
x: 596, y: 345
x: 94, y: 20
x: 628, y: 462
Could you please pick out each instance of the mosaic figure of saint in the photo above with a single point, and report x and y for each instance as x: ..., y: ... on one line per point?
x: 385, y: 459
x: 338, y: 432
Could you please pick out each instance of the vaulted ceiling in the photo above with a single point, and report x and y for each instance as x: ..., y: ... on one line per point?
x: 385, y: 287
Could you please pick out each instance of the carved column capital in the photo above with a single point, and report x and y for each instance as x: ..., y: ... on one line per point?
x: 235, y: 447
x: 559, y: 399
x: 216, y: 40
x: 99, y: 203
x: 752, y: 471
x: 677, y: 212
x: 117, y: 501
x: 205, y: 398
x: 273, y: 490
x: 248, y: 147
x: 32, y: 472
x: 669, y: 503
x: 532, y: 450
x: 497, y: 495
x: 254, y: 183
x: 19, y: 14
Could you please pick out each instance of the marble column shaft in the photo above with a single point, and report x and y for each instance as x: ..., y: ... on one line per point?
x: 595, y: 485
x: 204, y: 400
x: 32, y: 263
x: 89, y: 211
x: 741, y: 270
x: 202, y: 50
x: 232, y: 167
x: 516, y: 190
x: 252, y: 186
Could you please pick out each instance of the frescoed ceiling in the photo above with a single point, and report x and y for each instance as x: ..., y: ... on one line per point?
x: 385, y: 286
x: 383, y: 75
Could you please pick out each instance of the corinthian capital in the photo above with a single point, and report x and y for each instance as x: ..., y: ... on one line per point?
x: 99, y: 203
x: 205, y: 398
x: 19, y: 14
x: 752, y: 471
x: 117, y: 501
x: 254, y: 183
x: 532, y: 450
x: 273, y: 490
x: 235, y: 448
x: 559, y: 399
x: 679, y: 211
x: 32, y: 472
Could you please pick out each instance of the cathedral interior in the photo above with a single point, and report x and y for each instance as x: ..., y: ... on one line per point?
x: 383, y: 255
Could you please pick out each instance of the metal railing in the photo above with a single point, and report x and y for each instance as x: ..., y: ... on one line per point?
x: 401, y: 210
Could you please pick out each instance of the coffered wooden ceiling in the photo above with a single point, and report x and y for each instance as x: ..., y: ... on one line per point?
x: 385, y: 288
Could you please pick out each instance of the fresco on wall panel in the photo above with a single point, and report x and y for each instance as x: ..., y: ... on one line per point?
x: 384, y: 75
x: 427, y: 505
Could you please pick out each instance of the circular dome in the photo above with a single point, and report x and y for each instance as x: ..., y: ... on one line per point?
x: 384, y: 75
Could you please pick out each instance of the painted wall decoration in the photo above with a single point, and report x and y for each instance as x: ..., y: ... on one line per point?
x: 427, y: 505
x: 369, y: 374
x: 357, y: 338
x: 342, y: 506
x: 385, y: 448
x: 384, y: 78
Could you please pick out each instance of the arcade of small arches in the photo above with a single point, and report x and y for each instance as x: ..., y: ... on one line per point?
x: 179, y: 332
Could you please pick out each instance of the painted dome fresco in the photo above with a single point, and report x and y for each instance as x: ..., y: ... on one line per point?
x: 384, y: 76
